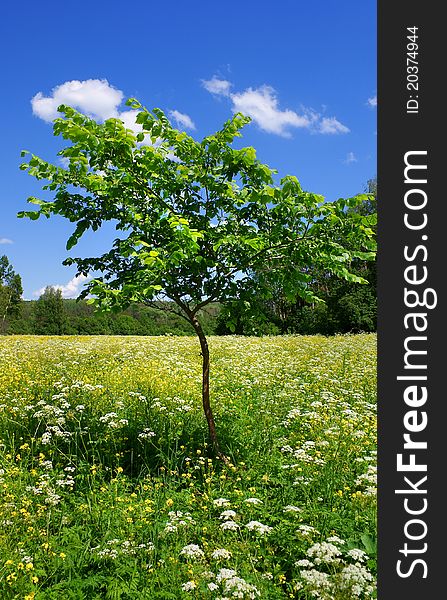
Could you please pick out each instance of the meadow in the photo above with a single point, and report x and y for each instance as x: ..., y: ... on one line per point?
x: 109, y: 489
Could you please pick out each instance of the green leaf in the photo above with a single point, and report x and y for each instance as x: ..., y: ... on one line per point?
x: 254, y: 243
x: 231, y: 325
x: 73, y: 239
x: 133, y: 103
x: 369, y: 543
x: 33, y: 200
x: 30, y: 214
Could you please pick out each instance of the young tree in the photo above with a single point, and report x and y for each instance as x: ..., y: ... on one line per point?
x: 197, y: 218
x: 10, y: 291
x: 49, y: 313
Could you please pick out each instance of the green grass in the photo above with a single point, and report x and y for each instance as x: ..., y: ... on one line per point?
x: 109, y: 489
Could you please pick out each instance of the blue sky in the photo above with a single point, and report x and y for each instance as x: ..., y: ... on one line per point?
x: 304, y: 71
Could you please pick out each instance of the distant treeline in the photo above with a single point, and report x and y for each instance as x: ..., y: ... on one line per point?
x: 79, y: 318
x: 347, y: 308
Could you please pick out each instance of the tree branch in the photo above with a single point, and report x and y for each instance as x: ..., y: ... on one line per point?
x: 261, y: 252
x: 205, y: 302
x: 165, y: 308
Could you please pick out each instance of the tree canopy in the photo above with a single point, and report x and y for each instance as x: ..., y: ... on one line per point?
x: 49, y: 313
x: 196, y: 218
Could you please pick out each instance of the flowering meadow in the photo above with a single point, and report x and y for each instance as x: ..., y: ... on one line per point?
x: 109, y: 489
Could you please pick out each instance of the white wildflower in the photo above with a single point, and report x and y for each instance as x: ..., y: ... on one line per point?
x: 316, y: 578
x: 286, y: 448
x: 108, y: 553
x: 229, y: 525
x: 146, y: 434
x: 357, y: 554
x: 46, y: 438
x: 228, y: 514
x: 239, y: 588
x: 224, y: 574
x: 303, y: 563
x: 178, y: 519
x: 192, y: 551
x: 355, y: 577
x: 370, y: 479
x: 221, y: 553
x: 335, y: 540
x: 188, y: 586
x: 221, y: 502
x: 324, y: 552
x: 306, y: 530
x: 52, y: 498
x: 258, y: 527
x: 108, y: 417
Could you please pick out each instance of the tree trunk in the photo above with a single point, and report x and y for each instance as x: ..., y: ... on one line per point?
x: 206, y: 386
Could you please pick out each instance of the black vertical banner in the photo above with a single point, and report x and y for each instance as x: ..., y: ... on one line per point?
x: 412, y: 360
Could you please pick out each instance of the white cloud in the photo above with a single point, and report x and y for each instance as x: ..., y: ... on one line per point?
x: 217, y: 86
x: 350, y: 158
x: 6, y: 241
x: 128, y: 118
x: 262, y: 105
x: 372, y: 102
x: 64, y: 161
x: 95, y: 97
x: 182, y: 120
x: 70, y: 289
x: 330, y: 125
